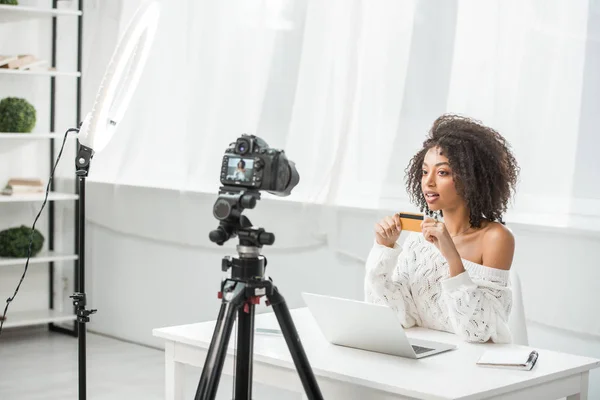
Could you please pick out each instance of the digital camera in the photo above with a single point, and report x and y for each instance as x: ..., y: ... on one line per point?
x: 250, y: 163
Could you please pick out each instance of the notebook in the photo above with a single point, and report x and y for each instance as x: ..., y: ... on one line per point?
x: 522, y: 358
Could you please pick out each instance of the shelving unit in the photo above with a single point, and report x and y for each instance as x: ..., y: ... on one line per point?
x: 38, y: 72
x: 30, y: 136
x: 13, y: 15
x: 37, y: 197
x: 42, y: 257
x: 10, y: 13
x: 27, y: 318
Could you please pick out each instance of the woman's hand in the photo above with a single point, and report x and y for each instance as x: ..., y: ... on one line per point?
x: 388, y: 230
x: 435, y: 232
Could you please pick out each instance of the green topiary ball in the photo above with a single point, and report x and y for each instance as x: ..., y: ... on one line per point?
x: 14, y: 242
x: 11, y: 2
x: 16, y: 115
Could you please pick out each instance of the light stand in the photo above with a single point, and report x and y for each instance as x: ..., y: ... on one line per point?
x: 82, y: 164
x: 116, y: 89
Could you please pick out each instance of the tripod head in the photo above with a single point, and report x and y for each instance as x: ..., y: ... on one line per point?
x: 228, y: 209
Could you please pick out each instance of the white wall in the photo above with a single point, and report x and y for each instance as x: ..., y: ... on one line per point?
x: 151, y: 265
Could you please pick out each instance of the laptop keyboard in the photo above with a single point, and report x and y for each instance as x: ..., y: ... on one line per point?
x: 420, y: 350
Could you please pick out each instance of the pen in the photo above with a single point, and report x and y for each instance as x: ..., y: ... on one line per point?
x: 532, y: 358
x: 268, y: 331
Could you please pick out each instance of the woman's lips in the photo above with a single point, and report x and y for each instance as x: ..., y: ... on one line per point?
x: 431, y: 197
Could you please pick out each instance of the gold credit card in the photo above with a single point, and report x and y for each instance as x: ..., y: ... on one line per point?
x: 410, y: 221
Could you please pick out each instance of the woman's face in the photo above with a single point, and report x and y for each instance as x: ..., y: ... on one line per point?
x: 240, y: 165
x: 437, y: 182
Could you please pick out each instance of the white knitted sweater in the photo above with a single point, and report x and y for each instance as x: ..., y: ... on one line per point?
x: 414, y: 280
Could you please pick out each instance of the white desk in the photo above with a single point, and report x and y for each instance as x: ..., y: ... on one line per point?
x: 345, y: 373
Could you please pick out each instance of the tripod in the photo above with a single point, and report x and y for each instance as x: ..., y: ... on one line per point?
x: 240, y: 293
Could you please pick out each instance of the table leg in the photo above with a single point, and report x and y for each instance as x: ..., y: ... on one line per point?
x: 583, y: 394
x: 174, y: 374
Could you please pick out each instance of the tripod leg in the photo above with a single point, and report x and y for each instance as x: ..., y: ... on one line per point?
x: 244, y: 356
x: 309, y: 382
x: 233, y: 298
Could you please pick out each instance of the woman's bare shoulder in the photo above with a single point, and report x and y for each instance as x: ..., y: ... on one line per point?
x: 497, y: 231
x: 498, y: 246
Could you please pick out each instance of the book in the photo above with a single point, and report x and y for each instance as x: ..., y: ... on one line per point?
x: 6, y: 60
x: 19, y: 61
x: 22, y: 62
x: 23, y: 185
x: 521, y: 358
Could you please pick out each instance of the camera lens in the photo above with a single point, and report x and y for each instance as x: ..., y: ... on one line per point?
x: 242, y: 146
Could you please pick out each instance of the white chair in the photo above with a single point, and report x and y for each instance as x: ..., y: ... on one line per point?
x: 516, y: 321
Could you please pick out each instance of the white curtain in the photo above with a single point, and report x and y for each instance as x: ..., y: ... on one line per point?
x: 519, y: 66
x: 203, y: 85
x: 349, y: 89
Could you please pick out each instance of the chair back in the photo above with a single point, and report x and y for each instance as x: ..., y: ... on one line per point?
x: 517, y: 321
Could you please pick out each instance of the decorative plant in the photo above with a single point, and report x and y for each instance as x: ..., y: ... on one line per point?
x: 11, y: 2
x: 16, y: 115
x: 14, y: 242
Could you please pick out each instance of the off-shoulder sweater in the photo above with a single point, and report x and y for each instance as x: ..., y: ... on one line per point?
x: 414, y: 280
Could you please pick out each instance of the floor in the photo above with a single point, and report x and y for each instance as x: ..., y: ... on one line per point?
x: 37, y: 364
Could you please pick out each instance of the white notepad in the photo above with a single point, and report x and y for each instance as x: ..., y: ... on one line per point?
x: 521, y: 358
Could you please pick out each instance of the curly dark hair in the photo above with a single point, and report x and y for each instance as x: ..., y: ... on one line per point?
x: 485, y: 171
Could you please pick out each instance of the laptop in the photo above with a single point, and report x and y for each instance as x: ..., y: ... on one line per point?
x: 367, y: 326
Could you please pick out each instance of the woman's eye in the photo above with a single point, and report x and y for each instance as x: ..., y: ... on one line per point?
x: 424, y: 172
x: 443, y: 173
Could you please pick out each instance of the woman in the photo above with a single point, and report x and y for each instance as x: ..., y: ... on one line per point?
x: 454, y: 275
x: 240, y: 172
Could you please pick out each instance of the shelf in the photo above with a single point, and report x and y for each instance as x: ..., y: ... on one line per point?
x: 52, y: 196
x: 31, y: 136
x: 34, y: 17
x: 42, y: 257
x: 27, y: 318
x: 39, y: 72
x: 10, y: 13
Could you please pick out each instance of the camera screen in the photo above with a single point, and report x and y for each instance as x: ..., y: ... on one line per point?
x: 240, y: 169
